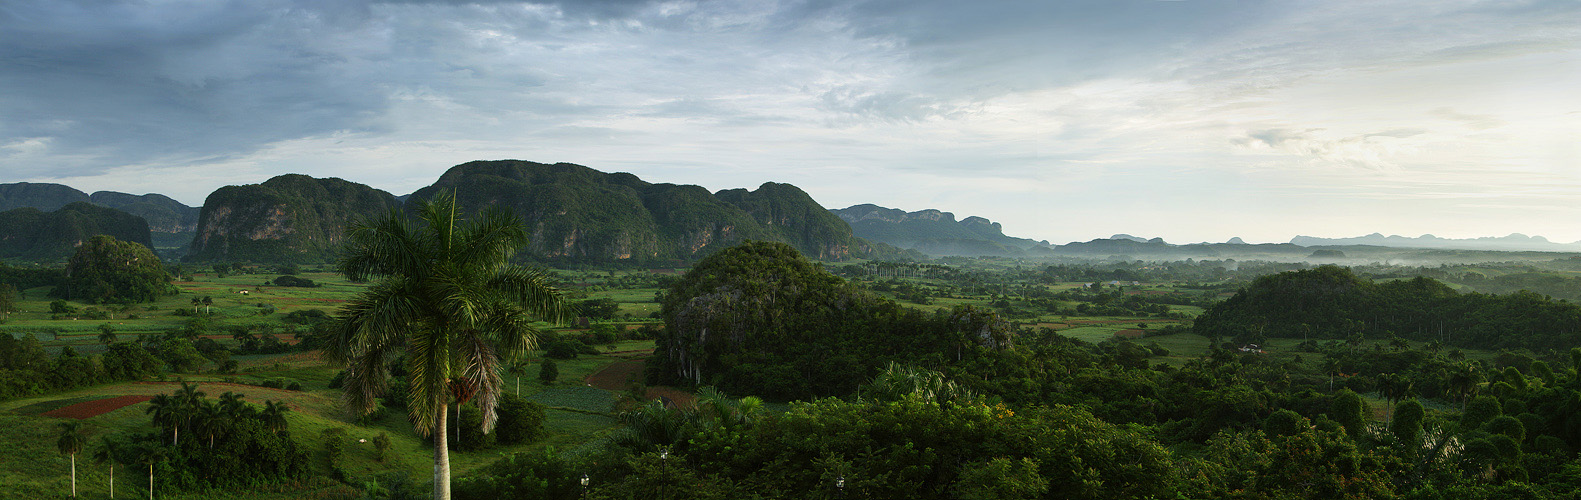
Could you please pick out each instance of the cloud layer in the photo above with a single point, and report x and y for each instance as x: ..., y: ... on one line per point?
x: 1070, y: 120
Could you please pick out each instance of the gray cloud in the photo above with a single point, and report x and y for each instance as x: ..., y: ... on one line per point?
x: 136, y: 82
x: 1088, y: 91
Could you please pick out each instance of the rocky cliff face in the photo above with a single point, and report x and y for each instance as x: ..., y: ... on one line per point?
x: 288, y: 218
x: 934, y: 232
x: 578, y: 213
x: 791, y: 216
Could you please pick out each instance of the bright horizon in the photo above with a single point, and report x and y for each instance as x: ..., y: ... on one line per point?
x: 1187, y: 120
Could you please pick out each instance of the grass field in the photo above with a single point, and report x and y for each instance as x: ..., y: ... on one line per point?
x: 31, y: 467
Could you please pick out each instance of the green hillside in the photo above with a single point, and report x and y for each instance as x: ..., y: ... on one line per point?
x: 289, y: 218
x: 30, y: 234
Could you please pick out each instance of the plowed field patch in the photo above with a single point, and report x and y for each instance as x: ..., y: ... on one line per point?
x: 90, y: 409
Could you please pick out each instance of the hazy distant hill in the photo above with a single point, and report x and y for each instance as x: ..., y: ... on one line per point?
x: 29, y: 233
x: 164, y: 215
x: 287, y: 218
x: 1513, y: 242
x: 934, y: 232
x: 578, y: 213
x: 43, y: 196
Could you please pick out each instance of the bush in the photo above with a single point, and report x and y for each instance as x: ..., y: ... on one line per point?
x: 540, y: 474
x: 548, y: 372
x: 293, y: 281
x: 520, y: 421
x: 566, y: 349
x: 306, y: 316
x: 470, y: 428
x: 294, y: 386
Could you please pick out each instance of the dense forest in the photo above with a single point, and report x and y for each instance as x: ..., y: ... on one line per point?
x: 1330, y: 302
x: 864, y: 380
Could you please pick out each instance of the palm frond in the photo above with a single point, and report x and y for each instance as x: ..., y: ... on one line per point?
x: 480, y: 366
x: 531, y: 289
x: 491, y: 240
x: 381, y: 247
x: 428, y: 364
x: 512, y: 330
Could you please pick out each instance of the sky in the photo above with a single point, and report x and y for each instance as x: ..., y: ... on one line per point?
x: 1193, y: 120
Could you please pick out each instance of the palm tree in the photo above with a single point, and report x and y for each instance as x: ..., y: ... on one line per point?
x: 273, y: 416
x: 71, y: 443
x: 210, y: 418
x: 166, y: 411
x: 1331, y: 366
x: 449, y: 299
x: 150, y: 454
x: 517, y: 369
x: 107, y: 334
x: 188, y: 397
x: 231, y: 403
x: 108, y: 451
x: 207, y: 303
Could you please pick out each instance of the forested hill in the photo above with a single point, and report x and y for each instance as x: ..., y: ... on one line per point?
x: 936, y: 232
x: 287, y: 218
x: 1329, y: 302
x: 576, y: 213
x: 32, y: 234
x: 164, y: 215
x: 45, y: 197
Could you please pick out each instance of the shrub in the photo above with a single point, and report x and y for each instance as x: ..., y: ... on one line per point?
x: 520, y: 421
x: 565, y: 349
x: 548, y: 372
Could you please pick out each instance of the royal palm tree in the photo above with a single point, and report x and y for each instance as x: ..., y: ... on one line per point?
x: 231, y: 403
x: 449, y: 299
x: 517, y: 369
x: 210, y: 419
x: 71, y: 443
x: 273, y: 416
x: 150, y: 454
x: 108, y: 451
x: 166, y: 411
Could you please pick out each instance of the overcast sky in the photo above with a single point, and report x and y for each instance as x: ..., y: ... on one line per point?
x: 1191, y: 120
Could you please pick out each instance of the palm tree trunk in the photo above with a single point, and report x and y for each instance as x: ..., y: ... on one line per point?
x: 112, y: 479
x: 441, y: 456
x: 150, y: 481
x: 74, y: 475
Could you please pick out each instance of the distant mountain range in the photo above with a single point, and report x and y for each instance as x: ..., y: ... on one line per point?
x: 1513, y: 242
x: 935, y: 232
x: 578, y: 214
x: 164, y: 215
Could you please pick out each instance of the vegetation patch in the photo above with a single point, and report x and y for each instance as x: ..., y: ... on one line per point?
x: 579, y: 398
x: 51, y: 405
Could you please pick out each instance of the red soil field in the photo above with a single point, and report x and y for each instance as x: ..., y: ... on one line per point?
x: 615, y: 377
x: 89, y: 409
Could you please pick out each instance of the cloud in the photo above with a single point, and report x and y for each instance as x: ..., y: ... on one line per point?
x: 1372, y: 150
x: 1474, y: 122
